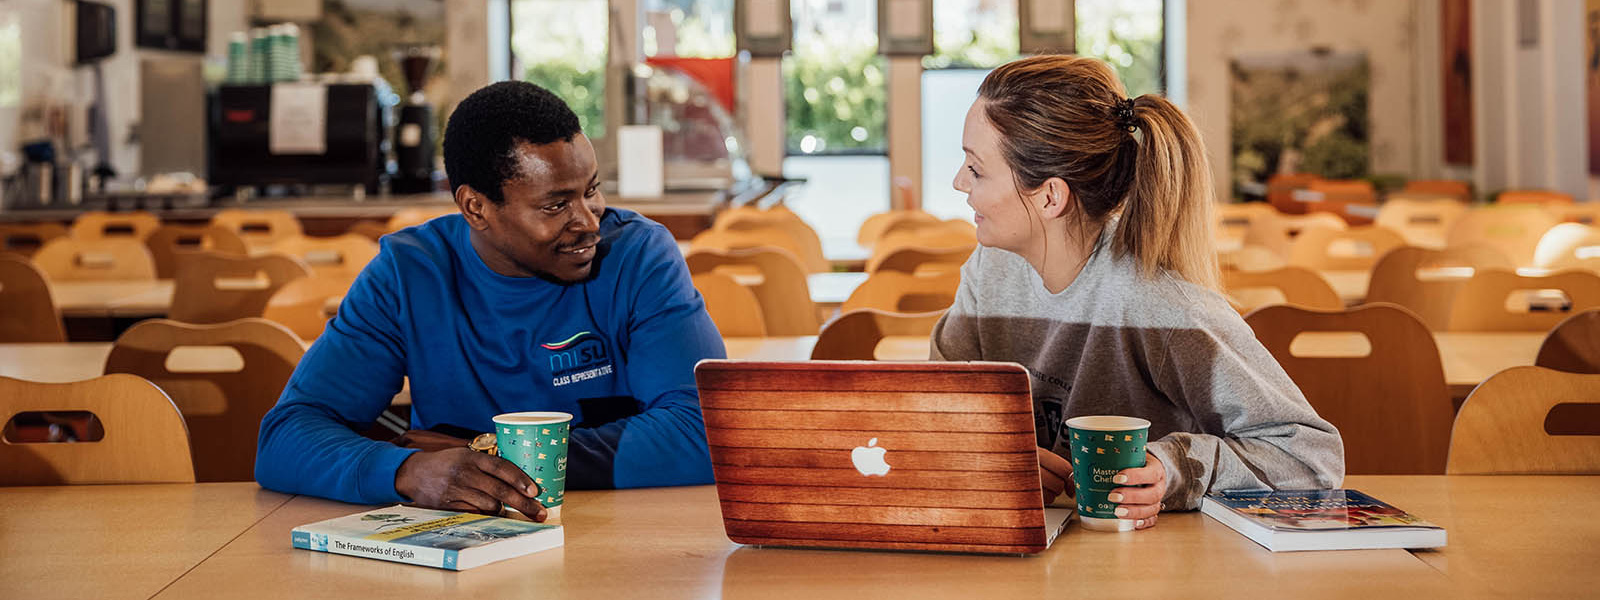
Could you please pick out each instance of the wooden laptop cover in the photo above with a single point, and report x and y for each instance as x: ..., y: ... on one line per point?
x: 960, y: 442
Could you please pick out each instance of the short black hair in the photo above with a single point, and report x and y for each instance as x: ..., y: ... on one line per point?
x: 487, y: 124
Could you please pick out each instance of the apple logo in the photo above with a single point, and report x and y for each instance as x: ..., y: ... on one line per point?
x: 868, y: 459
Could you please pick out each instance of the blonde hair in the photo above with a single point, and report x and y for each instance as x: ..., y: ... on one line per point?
x: 1063, y: 116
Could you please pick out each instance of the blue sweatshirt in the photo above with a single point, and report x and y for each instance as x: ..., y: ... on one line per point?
x: 476, y: 344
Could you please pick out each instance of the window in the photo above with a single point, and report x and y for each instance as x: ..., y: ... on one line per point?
x: 561, y: 45
x: 970, y: 37
x: 1128, y: 34
x: 687, y: 28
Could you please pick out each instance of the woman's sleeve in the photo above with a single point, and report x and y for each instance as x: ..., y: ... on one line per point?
x: 955, y: 336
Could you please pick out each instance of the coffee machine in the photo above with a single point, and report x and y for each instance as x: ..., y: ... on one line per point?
x: 414, y: 137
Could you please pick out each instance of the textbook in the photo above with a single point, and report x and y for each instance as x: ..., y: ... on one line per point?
x: 431, y: 538
x: 1288, y: 521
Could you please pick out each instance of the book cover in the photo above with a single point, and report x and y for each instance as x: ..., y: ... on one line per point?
x: 433, y: 538
x: 1320, y: 520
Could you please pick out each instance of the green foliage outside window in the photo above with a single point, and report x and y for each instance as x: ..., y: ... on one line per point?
x: 582, y: 86
x: 837, y: 100
x: 1127, y: 34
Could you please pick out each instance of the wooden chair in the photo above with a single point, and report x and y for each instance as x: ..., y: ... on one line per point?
x: 338, y: 257
x: 407, y: 217
x: 918, y: 259
x: 222, y: 403
x: 1481, y: 305
x: 1318, y: 248
x: 1281, y: 188
x: 733, y: 307
x: 1299, y: 287
x: 145, y: 440
x: 27, y: 238
x: 1275, y: 231
x: 1338, y: 195
x: 30, y: 315
x: 259, y: 229
x: 854, y: 335
x: 214, y: 288
x: 371, y: 230
x: 97, y: 224
x: 1569, y: 246
x: 953, y: 234
x: 728, y: 240
x: 1502, y: 428
x: 302, y: 305
x: 1573, y: 345
x: 1461, y: 191
x: 1396, y: 279
x: 1423, y: 223
x: 1513, y: 230
x: 1587, y: 213
x: 1251, y: 257
x: 785, y: 297
x: 95, y: 259
x: 166, y: 242
x: 1537, y: 197
x: 900, y: 292
x: 874, y: 227
x: 807, y: 246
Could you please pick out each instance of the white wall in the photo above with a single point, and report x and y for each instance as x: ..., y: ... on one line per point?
x: 1531, y: 116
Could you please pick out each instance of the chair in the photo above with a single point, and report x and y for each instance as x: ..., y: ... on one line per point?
x: 1537, y: 197
x: 944, y: 235
x: 1396, y: 279
x: 1250, y: 257
x: 918, y: 259
x: 145, y: 440
x: 900, y: 292
x: 1573, y: 345
x: 1320, y: 248
x: 807, y: 246
x: 223, y: 403
x: 733, y: 307
x: 1569, y: 246
x: 1461, y: 191
x: 874, y: 227
x: 1275, y: 231
x: 1391, y: 405
x: 1503, y: 426
x: 338, y: 257
x: 417, y: 215
x: 1481, y: 305
x: 259, y: 229
x: 1513, y: 230
x: 1338, y: 195
x: 27, y: 238
x: 371, y: 230
x: 214, y: 288
x: 1281, y: 188
x: 167, y: 241
x: 98, y: 224
x: 302, y: 304
x: 95, y: 259
x: 855, y: 335
x: 30, y: 315
x: 751, y: 237
x: 785, y: 297
x: 1587, y: 213
x: 1299, y: 286
x: 1423, y: 223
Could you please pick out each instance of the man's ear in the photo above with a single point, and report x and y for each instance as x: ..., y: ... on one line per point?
x: 1054, y: 198
x: 473, y: 207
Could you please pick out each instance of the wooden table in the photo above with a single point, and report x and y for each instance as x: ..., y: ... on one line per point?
x: 1351, y: 286
x: 112, y: 298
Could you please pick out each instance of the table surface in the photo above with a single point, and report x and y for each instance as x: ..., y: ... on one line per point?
x: 232, y: 540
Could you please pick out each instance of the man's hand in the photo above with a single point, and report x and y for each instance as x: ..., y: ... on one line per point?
x: 1055, y: 473
x: 460, y: 479
x: 1141, y: 504
x: 427, y: 441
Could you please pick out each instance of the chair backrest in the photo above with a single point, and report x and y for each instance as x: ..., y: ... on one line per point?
x: 1275, y: 231
x: 1459, y: 190
x: 302, y: 304
x: 166, y: 242
x: 1502, y: 427
x: 28, y: 238
x: 1539, y: 197
x: 1569, y: 246
x: 1251, y: 257
x: 30, y: 315
x: 854, y: 335
x: 341, y: 256
x: 750, y: 237
x: 899, y: 292
x: 98, y: 224
x: 259, y: 229
x: 1391, y: 404
x: 407, y: 217
x: 1338, y: 195
x: 1573, y: 345
x: 1281, y: 188
x: 1587, y: 213
x: 1481, y: 304
x: 371, y: 230
x: 1353, y: 249
x: 222, y: 397
x: 733, y: 307
x: 95, y: 259
x: 784, y: 294
x: 875, y: 225
x: 918, y: 259
x: 806, y: 245
x: 1423, y: 223
x: 145, y: 440
x: 1395, y: 279
x: 215, y: 288
x: 1513, y: 230
x: 1299, y: 287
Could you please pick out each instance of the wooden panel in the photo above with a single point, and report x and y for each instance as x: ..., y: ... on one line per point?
x: 894, y: 441
x: 896, y: 478
x: 996, y: 378
x: 872, y: 497
x: 950, y: 402
x: 929, y: 461
x: 868, y: 420
x: 760, y: 532
x: 882, y: 515
x: 882, y: 545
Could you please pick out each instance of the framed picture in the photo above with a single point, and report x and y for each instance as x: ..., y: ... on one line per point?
x: 905, y: 27
x: 763, y: 27
x: 171, y: 24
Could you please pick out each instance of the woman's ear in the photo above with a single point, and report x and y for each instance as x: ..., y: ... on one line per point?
x: 1055, y: 198
x: 472, y: 205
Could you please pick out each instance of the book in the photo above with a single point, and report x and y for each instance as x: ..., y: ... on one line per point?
x: 1287, y: 521
x: 431, y: 538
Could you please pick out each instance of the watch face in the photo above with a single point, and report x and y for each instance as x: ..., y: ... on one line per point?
x: 483, y: 443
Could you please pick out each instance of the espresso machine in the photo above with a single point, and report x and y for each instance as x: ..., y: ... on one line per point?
x: 414, y: 137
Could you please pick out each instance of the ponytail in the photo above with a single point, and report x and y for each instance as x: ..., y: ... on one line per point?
x: 1167, y: 216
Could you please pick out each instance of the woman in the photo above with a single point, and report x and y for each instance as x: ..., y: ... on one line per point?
x: 1095, y: 270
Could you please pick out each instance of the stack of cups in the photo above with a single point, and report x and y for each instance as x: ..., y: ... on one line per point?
x: 238, y: 58
x: 289, y: 48
x: 260, y: 55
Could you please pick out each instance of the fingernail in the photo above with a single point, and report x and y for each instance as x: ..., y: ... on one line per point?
x: 533, y: 489
x: 1139, y: 523
x: 1119, y: 479
x: 1122, y: 512
x: 543, y: 514
x: 1114, y: 497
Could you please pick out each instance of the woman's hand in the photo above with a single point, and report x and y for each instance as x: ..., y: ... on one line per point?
x: 1055, y: 473
x: 1141, y: 504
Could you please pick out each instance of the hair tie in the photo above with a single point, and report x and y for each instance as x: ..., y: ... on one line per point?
x: 1125, y: 118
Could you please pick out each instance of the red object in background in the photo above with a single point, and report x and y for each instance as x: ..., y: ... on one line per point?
x: 714, y: 73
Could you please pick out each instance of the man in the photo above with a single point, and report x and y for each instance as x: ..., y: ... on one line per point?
x: 534, y: 297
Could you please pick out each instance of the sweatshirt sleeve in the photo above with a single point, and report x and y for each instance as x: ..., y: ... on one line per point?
x: 955, y: 336
x: 308, y: 442
x: 1267, y: 436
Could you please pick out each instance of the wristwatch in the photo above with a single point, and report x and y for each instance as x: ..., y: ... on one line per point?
x: 484, y: 443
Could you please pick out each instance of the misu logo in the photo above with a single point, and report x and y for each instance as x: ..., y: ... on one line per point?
x: 578, y: 358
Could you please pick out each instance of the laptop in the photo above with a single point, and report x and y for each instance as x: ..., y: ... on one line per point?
x: 924, y: 456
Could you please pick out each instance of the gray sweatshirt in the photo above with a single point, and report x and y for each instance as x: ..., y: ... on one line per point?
x: 1223, y: 414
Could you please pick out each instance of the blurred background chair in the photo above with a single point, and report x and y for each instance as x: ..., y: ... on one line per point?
x: 144, y: 438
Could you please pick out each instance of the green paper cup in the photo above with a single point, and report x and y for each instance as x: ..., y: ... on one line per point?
x: 537, y: 443
x: 1102, y: 446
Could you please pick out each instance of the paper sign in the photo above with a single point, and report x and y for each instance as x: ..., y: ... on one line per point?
x: 298, y: 119
x: 640, y: 167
